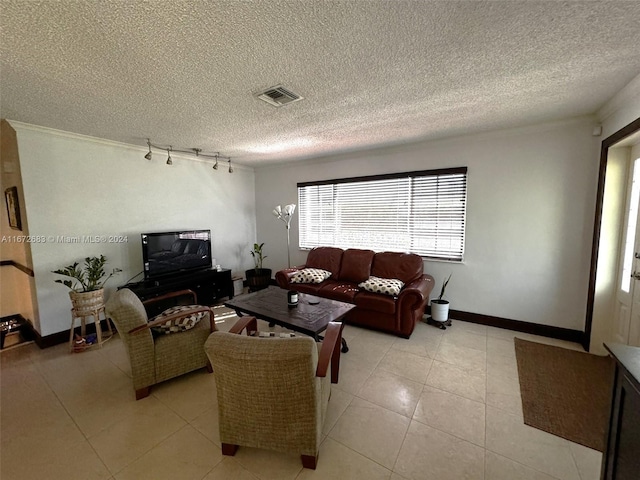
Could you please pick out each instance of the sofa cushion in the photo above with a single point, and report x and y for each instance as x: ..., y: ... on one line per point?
x: 326, y: 258
x: 356, y: 265
x: 375, y: 302
x: 337, y: 290
x: 386, y: 286
x: 180, y: 324
x: 310, y: 275
x: 310, y: 288
x: 403, y: 266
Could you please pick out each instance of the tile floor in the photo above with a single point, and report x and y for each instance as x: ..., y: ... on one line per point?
x: 441, y: 405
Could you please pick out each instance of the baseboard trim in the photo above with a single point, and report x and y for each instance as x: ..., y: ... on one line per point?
x: 519, y: 326
x: 63, y: 336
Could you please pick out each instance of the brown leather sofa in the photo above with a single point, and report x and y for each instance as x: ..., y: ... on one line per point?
x: 394, y: 314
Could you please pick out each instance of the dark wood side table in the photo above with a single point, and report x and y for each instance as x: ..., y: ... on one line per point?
x: 621, y: 458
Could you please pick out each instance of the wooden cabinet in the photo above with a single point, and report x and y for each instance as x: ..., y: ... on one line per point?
x: 621, y: 459
x: 209, y: 286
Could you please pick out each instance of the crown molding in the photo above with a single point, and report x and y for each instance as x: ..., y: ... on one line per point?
x: 630, y: 92
x: 17, y: 125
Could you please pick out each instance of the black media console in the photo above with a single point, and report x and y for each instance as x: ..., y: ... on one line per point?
x: 209, y: 285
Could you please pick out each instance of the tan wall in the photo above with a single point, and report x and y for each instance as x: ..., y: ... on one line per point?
x: 17, y: 289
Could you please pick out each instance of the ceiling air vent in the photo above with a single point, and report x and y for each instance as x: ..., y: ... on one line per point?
x: 278, y: 96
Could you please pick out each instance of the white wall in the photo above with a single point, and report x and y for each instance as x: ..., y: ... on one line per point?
x: 622, y: 109
x: 531, y: 198
x: 76, y: 185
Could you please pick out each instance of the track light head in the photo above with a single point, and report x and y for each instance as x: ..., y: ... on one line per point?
x: 230, y: 168
x: 148, y: 155
x: 169, y: 161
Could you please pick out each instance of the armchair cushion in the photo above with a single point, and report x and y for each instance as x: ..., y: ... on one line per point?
x: 310, y: 275
x: 180, y: 323
x: 387, y: 286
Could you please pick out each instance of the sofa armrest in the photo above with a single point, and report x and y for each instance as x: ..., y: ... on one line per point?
x: 411, y: 302
x: 418, y: 290
x: 283, y: 277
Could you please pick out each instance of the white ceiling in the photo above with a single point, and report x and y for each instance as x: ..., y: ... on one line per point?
x: 372, y: 72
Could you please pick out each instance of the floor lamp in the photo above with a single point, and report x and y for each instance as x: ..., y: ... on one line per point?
x: 285, y: 215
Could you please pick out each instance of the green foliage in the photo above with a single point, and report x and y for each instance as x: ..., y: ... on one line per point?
x: 444, y: 286
x: 88, y: 278
x: 256, y: 253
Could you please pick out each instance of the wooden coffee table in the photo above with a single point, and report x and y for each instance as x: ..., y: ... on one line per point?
x: 307, y: 317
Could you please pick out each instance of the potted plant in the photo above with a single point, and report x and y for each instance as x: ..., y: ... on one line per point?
x: 440, y: 307
x: 258, y: 277
x: 87, y: 283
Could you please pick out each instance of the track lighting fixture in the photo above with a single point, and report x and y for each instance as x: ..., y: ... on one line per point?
x: 148, y: 155
x: 193, y: 151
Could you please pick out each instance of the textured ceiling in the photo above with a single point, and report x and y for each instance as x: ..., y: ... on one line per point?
x: 371, y: 72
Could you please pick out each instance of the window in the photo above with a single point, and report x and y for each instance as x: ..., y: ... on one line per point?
x: 418, y: 212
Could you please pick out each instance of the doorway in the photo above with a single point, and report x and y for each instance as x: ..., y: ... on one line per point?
x: 605, y: 280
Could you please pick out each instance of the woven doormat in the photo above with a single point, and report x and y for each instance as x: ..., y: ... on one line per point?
x: 565, y: 392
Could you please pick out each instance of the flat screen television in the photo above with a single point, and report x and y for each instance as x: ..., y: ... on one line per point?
x: 174, y: 253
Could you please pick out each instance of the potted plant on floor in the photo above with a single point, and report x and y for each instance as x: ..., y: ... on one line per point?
x: 258, y: 277
x: 440, y: 307
x: 86, y: 284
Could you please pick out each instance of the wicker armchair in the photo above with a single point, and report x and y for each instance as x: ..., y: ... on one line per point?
x: 154, y: 360
x: 273, y: 392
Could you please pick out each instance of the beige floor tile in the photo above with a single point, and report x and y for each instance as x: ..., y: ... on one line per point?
x: 395, y: 476
x: 391, y: 391
x: 372, y: 431
x: 507, y: 435
x: 338, y: 462
x: 502, y: 333
x: 363, y: 350
x: 405, y: 364
x: 500, y: 346
x: 429, y: 454
x: 98, y: 413
x: 230, y: 469
x: 504, y: 393
x: 498, y: 467
x: 464, y: 338
x: 186, y: 455
x: 207, y: 424
x: 353, y: 374
x: 502, y: 365
x: 188, y: 395
x: 476, y: 328
x: 70, y: 461
x: 455, y: 379
x: 423, y: 347
x: 125, y: 441
x: 338, y: 403
x: 268, y: 464
x: 452, y: 414
x: 588, y: 461
x: 51, y: 399
x: 468, y: 358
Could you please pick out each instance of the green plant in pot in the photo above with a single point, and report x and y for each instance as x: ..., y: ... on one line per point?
x: 258, y: 277
x: 86, y: 283
x: 439, y: 306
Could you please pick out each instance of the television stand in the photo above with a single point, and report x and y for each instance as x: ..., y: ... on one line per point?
x: 209, y: 285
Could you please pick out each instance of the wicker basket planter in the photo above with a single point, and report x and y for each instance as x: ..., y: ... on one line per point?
x: 86, y: 303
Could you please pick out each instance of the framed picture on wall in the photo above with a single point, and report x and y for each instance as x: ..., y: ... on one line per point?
x: 13, y: 207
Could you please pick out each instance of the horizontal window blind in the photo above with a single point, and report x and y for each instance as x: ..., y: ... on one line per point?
x: 418, y: 212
